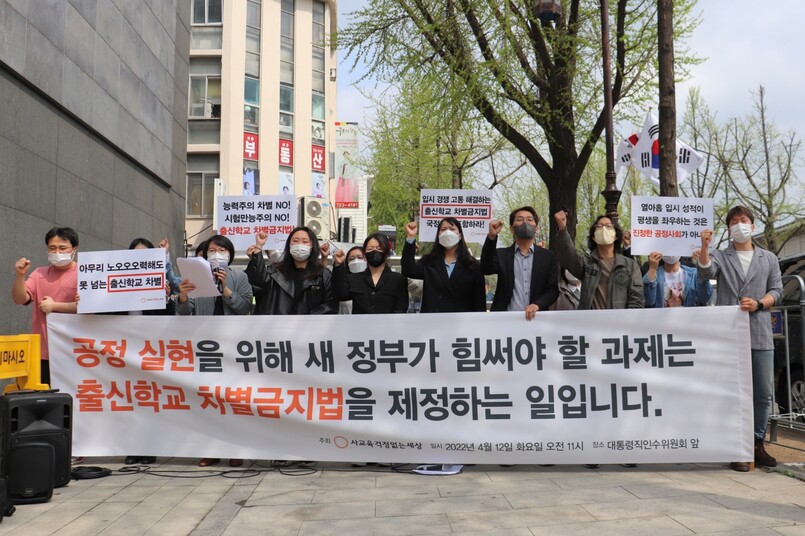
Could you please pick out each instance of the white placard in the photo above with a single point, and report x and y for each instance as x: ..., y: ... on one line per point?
x: 670, y: 225
x: 198, y: 271
x: 658, y: 385
x: 121, y: 280
x: 473, y: 208
x: 241, y: 217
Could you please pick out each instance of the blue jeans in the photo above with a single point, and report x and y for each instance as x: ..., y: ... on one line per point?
x: 762, y: 388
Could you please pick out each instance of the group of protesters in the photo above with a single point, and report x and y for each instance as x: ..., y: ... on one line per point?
x: 530, y: 279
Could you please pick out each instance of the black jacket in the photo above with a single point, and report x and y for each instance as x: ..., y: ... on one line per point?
x: 462, y: 292
x: 274, y: 292
x: 390, y: 295
x: 544, y: 287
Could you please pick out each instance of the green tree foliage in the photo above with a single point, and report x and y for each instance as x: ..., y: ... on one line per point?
x: 538, y: 85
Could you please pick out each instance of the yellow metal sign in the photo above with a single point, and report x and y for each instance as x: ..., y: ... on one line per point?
x: 20, y: 358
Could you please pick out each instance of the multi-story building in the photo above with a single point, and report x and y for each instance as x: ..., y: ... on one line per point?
x: 261, y: 103
x: 92, y: 127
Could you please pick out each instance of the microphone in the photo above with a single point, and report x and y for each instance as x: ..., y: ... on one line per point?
x: 215, y: 269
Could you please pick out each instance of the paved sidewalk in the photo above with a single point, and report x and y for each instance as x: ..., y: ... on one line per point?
x: 337, y: 499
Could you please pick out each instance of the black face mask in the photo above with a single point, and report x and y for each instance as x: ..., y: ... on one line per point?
x: 525, y: 230
x: 375, y: 258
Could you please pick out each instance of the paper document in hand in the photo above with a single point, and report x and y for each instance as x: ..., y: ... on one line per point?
x: 198, y: 271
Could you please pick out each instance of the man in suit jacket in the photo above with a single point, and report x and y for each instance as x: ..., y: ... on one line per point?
x: 527, y: 273
x: 748, y: 276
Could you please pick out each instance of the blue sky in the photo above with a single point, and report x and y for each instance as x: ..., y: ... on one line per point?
x: 746, y: 43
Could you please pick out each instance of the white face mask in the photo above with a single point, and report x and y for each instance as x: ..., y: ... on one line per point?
x: 670, y: 260
x: 60, y: 260
x: 604, y: 236
x: 218, y: 260
x: 741, y: 232
x: 300, y: 252
x: 357, y: 266
x: 448, y: 238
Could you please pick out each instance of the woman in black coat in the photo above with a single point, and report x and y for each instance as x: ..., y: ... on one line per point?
x: 377, y: 289
x: 298, y: 284
x: 452, y: 277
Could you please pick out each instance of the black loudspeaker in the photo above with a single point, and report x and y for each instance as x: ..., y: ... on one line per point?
x: 36, y: 442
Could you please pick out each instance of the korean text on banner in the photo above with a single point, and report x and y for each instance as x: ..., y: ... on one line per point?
x: 121, y: 280
x: 658, y: 385
x: 670, y: 225
x: 472, y: 208
x: 241, y: 217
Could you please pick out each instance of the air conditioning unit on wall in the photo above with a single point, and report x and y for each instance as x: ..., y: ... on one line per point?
x: 314, y: 213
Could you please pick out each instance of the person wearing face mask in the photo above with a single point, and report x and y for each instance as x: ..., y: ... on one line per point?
x: 356, y: 263
x: 236, y: 293
x: 452, y: 280
x: 376, y: 289
x: 749, y: 276
x: 52, y: 288
x: 608, y: 279
x: 298, y: 283
x: 674, y: 285
x: 527, y: 274
x: 235, y: 298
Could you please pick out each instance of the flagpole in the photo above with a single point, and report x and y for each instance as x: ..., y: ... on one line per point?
x: 611, y: 193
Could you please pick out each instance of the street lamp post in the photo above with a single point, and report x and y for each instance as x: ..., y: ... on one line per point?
x: 611, y: 193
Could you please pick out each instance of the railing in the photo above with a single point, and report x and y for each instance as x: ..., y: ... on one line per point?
x: 796, y: 401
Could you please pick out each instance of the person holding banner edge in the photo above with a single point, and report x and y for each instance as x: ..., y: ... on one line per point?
x: 298, y: 284
x: 375, y: 290
x: 527, y: 274
x: 749, y: 276
x: 452, y: 280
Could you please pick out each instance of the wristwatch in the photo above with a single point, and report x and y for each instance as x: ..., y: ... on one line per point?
x: 760, y: 305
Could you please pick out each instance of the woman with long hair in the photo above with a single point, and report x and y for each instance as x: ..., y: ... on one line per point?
x: 452, y: 281
x: 297, y: 284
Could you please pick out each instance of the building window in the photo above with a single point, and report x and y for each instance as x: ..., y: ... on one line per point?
x: 207, y: 11
x: 317, y: 132
x: 251, y: 93
x: 286, y: 125
x: 205, y: 97
x: 286, y: 99
x: 202, y: 170
x: 317, y: 107
x: 253, y: 14
x: 251, y: 118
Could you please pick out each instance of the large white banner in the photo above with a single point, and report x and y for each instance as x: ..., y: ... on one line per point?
x: 240, y: 217
x: 670, y: 225
x: 121, y: 280
x: 473, y: 208
x: 664, y: 385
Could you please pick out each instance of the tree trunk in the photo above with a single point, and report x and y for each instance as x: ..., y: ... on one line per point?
x: 667, y: 135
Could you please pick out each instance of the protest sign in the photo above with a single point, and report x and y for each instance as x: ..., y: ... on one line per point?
x: 241, y: 217
x: 121, y: 280
x: 472, y: 208
x: 670, y: 225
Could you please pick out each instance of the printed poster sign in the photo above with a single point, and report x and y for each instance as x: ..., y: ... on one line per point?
x: 317, y: 158
x: 251, y: 146
x: 659, y: 385
x: 473, y: 208
x: 346, y: 169
x: 241, y: 217
x: 670, y: 225
x: 121, y: 280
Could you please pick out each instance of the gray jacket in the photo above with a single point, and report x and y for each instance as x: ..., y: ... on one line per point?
x: 625, y: 288
x: 239, y: 303
x: 763, y: 277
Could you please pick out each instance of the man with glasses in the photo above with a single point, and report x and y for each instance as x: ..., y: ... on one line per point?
x: 52, y: 289
x: 527, y: 273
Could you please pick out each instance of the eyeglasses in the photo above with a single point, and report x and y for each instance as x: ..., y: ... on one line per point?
x: 604, y: 226
x: 59, y: 249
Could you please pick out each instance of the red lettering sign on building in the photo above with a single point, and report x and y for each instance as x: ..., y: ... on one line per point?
x: 317, y: 158
x: 251, y: 144
x: 286, y: 153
